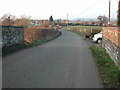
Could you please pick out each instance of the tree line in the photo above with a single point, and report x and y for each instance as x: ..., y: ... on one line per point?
x: 24, y: 21
x: 12, y: 20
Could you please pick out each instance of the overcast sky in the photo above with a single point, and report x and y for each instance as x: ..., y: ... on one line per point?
x: 42, y: 9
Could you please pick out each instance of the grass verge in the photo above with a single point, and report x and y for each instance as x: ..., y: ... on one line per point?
x: 109, y: 72
x: 14, y: 48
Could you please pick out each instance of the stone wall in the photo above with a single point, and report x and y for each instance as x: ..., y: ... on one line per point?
x: 12, y: 35
x: 111, y: 42
x: 0, y: 37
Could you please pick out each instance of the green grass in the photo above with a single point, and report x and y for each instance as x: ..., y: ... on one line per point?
x: 14, y: 48
x: 109, y: 72
x: 87, y: 26
x: 79, y: 33
x: 84, y: 29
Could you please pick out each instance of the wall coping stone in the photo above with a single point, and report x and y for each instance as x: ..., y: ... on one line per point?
x: 11, y: 26
x: 112, y: 28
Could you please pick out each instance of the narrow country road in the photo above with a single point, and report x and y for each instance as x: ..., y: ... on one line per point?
x: 65, y: 62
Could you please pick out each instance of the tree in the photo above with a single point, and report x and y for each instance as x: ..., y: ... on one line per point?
x: 59, y: 21
x: 46, y: 24
x: 51, y: 19
x: 24, y: 21
x: 102, y: 20
x: 118, y: 22
x: 8, y: 19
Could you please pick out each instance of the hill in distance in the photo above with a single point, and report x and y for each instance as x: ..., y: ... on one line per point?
x: 89, y: 19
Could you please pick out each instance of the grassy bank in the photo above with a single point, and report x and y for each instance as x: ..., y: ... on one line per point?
x: 15, y: 48
x: 79, y: 33
x: 109, y: 72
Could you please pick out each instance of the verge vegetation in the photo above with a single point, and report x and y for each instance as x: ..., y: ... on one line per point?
x: 79, y: 33
x: 11, y: 49
x: 108, y: 70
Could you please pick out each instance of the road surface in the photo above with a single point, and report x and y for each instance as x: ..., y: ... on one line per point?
x: 65, y: 62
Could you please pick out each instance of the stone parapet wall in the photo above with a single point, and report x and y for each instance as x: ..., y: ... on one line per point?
x: 12, y: 35
x: 111, y: 42
x: 112, y: 49
x: 113, y: 34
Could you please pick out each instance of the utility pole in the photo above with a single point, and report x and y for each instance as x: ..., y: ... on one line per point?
x: 67, y: 19
x: 109, y: 13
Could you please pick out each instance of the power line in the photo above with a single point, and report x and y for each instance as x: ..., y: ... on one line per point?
x: 85, y: 9
x: 67, y: 16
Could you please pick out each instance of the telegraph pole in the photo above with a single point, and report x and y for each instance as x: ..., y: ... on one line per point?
x: 67, y: 19
x: 109, y: 13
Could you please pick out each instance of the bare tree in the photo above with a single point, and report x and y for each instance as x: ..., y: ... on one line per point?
x: 59, y: 21
x: 24, y: 21
x: 102, y: 20
x: 46, y: 24
x: 8, y: 19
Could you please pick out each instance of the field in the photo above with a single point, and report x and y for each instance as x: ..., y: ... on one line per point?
x: 92, y: 27
x: 84, y: 30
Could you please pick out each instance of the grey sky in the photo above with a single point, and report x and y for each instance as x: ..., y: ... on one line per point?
x: 42, y: 9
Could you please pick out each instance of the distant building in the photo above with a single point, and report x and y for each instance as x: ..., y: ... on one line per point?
x: 39, y: 22
x: 77, y: 22
x: 113, y: 23
x: 35, y: 23
x: 96, y: 23
x: 64, y: 22
x: 43, y: 21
